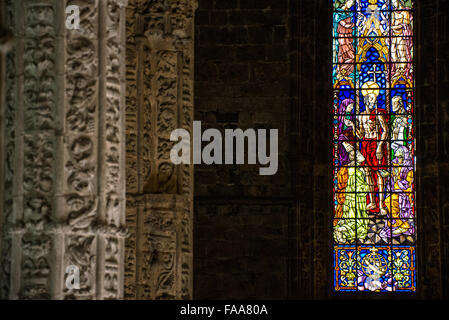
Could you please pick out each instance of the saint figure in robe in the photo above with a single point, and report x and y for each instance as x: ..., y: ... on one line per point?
x: 401, y: 41
x: 351, y: 218
x: 345, y: 29
x: 399, y: 203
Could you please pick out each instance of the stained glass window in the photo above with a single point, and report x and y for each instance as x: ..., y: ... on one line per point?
x: 374, y: 226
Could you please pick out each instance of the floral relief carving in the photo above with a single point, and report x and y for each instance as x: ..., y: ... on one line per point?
x: 159, y: 100
x: 81, y: 253
x: 65, y: 141
x: 67, y: 128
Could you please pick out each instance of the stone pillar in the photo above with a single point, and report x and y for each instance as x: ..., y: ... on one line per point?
x: 158, y: 263
x: 64, y: 142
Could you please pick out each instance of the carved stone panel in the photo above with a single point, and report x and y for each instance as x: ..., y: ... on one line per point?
x: 69, y: 132
x: 159, y: 253
x: 65, y: 163
x: 159, y: 100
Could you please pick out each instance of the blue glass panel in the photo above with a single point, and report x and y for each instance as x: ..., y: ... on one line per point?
x: 404, y: 268
x: 374, y: 269
x: 373, y: 50
x: 373, y: 24
x: 373, y: 75
x: 372, y: 5
x: 345, y: 268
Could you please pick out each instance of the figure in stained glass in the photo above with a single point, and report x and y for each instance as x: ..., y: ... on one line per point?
x: 345, y: 30
x: 352, y: 223
x: 374, y: 130
x: 400, y: 200
x: 400, y: 124
x: 401, y: 41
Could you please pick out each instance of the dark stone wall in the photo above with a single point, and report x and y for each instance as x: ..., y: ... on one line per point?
x: 243, y: 81
x: 266, y: 64
x: 432, y: 108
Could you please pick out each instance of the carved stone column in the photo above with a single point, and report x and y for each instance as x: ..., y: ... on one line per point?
x: 64, y: 142
x: 159, y: 194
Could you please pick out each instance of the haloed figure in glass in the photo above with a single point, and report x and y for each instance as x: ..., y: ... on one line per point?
x: 374, y: 131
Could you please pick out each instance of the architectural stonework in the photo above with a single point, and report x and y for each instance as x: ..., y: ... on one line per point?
x: 159, y: 250
x: 64, y: 151
x: 159, y: 99
x: 72, y: 162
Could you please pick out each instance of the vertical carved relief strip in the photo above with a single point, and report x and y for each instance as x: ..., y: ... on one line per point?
x: 81, y: 158
x: 160, y: 100
x: 111, y: 114
x: 145, y: 115
x: 131, y: 150
x: 131, y: 248
x: 186, y: 177
x: 39, y: 54
x: 131, y: 98
x: 65, y: 152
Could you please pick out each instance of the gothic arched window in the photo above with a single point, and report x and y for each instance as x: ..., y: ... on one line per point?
x: 374, y: 147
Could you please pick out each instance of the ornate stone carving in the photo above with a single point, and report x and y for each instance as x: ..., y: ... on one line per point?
x: 131, y: 249
x: 65, y: 161
x: 65, y: 150
x: 35, y: 266
x: 158, y: 257
x: 81, y: 253
x: 160, y: 100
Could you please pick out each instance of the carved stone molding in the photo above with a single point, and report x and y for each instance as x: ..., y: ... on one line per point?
x: 158, y: 256
x: 64, y: 141
x: 160, y: 35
